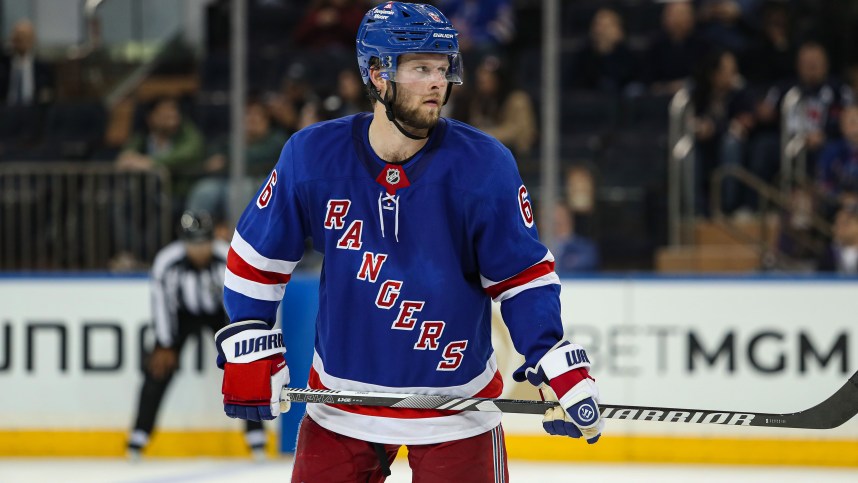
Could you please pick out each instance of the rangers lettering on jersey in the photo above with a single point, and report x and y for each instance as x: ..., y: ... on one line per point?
x: 405, y: 321
x: 337, y: 210
x: 453, y: 355
x: 388, y: 293
x: 430, y: 332
x: 371, y: 266
x: 351, y: 238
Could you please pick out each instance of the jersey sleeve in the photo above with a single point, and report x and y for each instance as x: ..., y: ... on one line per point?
x: 516, y: 269
x: 267, y: 245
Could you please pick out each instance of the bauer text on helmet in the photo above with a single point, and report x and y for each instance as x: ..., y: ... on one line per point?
x: 393, y: 28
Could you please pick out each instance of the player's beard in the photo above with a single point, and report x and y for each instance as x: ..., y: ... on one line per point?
x: 414, y: 117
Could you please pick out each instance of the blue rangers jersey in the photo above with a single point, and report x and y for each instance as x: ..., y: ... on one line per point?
x: 414, y: 254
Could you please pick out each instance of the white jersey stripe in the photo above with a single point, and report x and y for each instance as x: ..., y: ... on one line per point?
x: 254, y: 259
x: 389, y: 430
x: 549, y: 279
x: 468, y: 389
x: 402, y: 430
x: 486, y: 283
x: 254, y: 290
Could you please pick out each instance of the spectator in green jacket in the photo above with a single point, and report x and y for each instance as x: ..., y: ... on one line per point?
x: 168, y: 140
x: 263, y: 145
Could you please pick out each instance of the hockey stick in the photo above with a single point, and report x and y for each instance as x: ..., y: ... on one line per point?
x: 832, y: 412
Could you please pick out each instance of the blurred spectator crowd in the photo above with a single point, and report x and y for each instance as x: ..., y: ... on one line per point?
x: 621, y: 61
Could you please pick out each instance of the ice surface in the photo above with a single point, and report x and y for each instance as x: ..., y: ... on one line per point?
x: 78, y: 470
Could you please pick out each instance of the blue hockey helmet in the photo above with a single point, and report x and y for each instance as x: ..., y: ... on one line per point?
x: 394, y: 28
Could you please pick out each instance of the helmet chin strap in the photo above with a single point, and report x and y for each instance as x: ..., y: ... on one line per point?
x: 388, y: 109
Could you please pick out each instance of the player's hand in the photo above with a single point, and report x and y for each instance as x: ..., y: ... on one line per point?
x: 565, y: 370
x: 252, y: 390
x: 254, y: 370
x: 162, y: 362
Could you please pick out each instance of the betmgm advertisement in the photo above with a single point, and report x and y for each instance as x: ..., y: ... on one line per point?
x: 71, y: 351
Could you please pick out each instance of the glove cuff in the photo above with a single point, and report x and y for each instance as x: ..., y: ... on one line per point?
x: 563, y: 359
x: 248, y: 341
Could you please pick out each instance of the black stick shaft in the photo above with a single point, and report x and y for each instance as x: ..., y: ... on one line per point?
x: 832, y: 412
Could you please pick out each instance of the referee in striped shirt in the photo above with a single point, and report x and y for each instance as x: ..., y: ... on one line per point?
x: 187, y: 297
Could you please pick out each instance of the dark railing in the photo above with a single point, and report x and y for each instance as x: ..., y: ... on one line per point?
x: 770, y: 198
x: 68, y: 216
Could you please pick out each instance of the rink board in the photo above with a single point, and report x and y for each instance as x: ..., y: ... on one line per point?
x: 70, y: 351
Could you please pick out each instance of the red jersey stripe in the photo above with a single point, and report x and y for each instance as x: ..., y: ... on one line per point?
x: 532, y: 273
x: 241, y: 268
x: 492, y: 389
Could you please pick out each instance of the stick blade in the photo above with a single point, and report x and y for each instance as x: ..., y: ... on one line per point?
x: 834, y: 411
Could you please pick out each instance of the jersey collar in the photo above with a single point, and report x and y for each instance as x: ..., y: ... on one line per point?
x: 393, y: 176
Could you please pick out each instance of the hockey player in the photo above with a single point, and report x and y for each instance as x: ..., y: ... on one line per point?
x: 423, y: 221
x: 187, y: 288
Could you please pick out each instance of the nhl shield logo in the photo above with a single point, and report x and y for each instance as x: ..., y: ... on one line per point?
x: 392, y: 176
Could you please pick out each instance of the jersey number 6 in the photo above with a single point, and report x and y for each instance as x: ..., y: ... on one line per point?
x: 524, y: 206
x: 267, y: 191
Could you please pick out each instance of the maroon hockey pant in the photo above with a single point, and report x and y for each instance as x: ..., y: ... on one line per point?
x: 323, y: 456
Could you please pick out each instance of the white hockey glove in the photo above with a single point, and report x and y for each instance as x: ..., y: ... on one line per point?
x: 564, y: 368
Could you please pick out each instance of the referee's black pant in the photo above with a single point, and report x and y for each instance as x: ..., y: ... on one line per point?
x: 153, y: 389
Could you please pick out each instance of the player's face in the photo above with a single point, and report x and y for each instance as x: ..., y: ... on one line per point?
x: 421, y: 84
